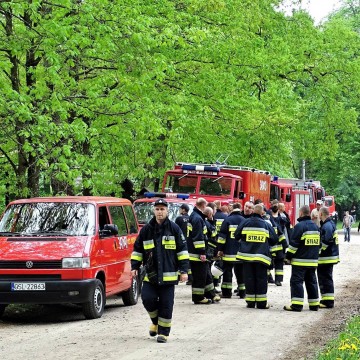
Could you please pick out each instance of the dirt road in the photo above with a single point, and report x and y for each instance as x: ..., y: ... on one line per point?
x: 218, y: 331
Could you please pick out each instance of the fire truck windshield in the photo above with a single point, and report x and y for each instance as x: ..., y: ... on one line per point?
x: 215, y: 186
x: 182, y: 183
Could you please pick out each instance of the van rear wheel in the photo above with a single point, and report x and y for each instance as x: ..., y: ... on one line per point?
x: 130, y: 297
x: 94, y: 308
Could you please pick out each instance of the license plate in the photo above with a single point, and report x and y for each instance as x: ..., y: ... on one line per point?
x: 27, y: 286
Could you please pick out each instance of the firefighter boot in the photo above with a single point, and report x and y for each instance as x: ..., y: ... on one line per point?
x: 153, y: 330
x: 290, y: 308
x: 161, y: 338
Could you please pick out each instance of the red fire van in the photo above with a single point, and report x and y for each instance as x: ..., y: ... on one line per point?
x: 67, y: 250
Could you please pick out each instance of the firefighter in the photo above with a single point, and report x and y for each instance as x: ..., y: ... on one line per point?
x: 257, y: 238
x: 182, y: 221
x: 329, y: 256
x: 278, y: 255
x: 211, y: 246
x: 228, y: 249
x: 219, y: 216
x: 202, y: 285
x: 161, y: 248
x: 303, y: 254
x: 248, y: 209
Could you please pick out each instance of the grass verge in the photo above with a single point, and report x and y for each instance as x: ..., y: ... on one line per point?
x: 346, y: 346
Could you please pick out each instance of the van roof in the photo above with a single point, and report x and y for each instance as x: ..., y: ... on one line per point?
x: 75, y: 199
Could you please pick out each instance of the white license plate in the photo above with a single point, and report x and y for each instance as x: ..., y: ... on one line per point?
x: 27, y: 286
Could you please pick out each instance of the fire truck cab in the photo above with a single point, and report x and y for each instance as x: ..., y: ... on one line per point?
x: 218, y: 182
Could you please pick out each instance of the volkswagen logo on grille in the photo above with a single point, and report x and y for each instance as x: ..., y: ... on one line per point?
x: 29, y: 264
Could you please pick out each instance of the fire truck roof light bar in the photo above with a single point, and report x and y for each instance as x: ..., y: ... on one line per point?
x: 189, y: 167
x: 166, y: 195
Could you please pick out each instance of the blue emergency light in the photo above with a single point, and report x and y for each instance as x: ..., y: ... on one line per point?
x: 200, y: 168
x: 166, y: 195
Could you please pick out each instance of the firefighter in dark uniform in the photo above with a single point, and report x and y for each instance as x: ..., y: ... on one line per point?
x: 183, y: 219
x: 279, y: 255
x: 202, y: 285
x: 161, y: 247
x: 257, y: 238
x: 303, y: 254
x: 328, y: 257
x: 219, y: 216
x: 228, y: 248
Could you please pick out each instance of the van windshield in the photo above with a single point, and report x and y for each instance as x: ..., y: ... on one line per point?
x: 71, y: 219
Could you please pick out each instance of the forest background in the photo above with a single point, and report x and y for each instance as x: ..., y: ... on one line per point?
x: 97, y: 95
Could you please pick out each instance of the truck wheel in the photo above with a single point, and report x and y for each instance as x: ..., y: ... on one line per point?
x: 94, y: 308
x: 2, y: 309
x: 130, y: 297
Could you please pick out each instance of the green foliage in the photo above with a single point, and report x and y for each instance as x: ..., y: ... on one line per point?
x: 98, y: 91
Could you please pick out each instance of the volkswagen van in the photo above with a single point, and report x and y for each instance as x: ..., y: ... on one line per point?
x: 67, y: 250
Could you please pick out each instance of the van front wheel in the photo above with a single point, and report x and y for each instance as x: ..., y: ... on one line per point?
x: 94, y: 308
x: 130, y: 297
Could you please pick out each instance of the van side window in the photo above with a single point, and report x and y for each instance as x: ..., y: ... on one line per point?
x: 118, y: 218
x: 103, y: 217
x: 132, y: 225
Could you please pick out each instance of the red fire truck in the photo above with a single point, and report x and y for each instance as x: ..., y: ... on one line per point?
x: 240, y: 184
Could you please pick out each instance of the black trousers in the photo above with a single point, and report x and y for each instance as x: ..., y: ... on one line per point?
x: 202, y: 284
x: 226, y: 286
x: 299, y: 275
x: 159, y: 303
x: 255, y: 275
x: 326, y: 284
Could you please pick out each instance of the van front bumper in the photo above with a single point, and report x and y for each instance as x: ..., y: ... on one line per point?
x: 56, y: 292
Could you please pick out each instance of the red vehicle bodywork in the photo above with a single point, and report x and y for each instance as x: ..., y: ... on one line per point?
x: 38, y: 258
x: 240, y: 184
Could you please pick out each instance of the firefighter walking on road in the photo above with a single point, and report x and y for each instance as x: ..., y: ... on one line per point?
x: 161, y: 248
x: 303, y: 254
x: 329, y: 256
x: 257, y: 238
x: 228, y: 248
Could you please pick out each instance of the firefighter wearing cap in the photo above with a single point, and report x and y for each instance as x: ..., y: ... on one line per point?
x: 161, y: 248
x: 257, y: 239
x: 328, y: 257
x: 202, y: 285
x: 228, y: 248
x: 303, y: 254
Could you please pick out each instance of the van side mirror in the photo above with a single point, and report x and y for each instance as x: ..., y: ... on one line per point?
x: 109, y: 229
x: 288, y: 198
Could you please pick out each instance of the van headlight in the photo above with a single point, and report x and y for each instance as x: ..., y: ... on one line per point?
x: 76, y: 263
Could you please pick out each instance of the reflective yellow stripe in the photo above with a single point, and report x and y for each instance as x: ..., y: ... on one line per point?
x: 221, y: 240
x: 149, y: 244
x: 164, y: 322
x: 170, y: 278
x: 168, y: 242
x: 254, y: 257
x: 183, y: 255
x: 304, y: 262
x: 136, y: 256
x: 199, y: 244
